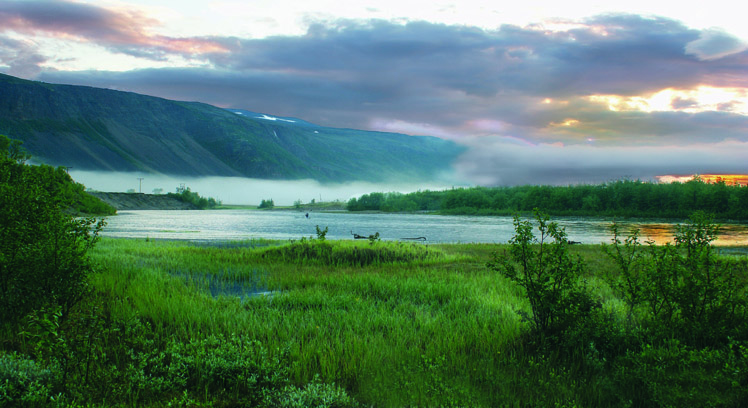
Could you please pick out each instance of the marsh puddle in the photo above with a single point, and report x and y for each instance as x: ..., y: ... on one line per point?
x: 229, y: 283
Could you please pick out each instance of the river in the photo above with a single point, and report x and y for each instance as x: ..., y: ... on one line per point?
x: 222, y: 225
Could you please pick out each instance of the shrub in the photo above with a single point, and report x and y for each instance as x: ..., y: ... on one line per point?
x: 313, y: 395
x: 42, y: 248
x: 233, y: 370
x: 321, y: 233
x: 548, y: 274
x: 23, y: 382
x: 675, y: 375
x: 683, y: 287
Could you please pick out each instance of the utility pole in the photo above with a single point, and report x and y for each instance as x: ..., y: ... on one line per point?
x: 140, y: 187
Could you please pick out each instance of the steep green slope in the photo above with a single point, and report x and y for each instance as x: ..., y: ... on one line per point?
x: 99, y: 129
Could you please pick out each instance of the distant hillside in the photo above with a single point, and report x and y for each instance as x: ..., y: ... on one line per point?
x: 98, y: 129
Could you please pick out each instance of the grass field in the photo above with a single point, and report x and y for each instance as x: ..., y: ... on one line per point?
x: 351, y: 323
x: 416, y: 331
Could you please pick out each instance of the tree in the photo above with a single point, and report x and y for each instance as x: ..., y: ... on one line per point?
x: 43, y: 249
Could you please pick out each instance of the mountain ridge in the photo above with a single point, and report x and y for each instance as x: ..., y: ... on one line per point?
x: 100, y: 129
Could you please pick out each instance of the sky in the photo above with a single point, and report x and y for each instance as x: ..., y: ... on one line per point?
x: 540, y: 92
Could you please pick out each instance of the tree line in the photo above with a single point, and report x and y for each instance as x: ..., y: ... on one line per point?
x: 621, y: 198
x: 188, y: 196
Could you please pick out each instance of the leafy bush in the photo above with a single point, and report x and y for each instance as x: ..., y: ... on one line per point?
x: 42, y: 248
x: 321, y: 233
x: 231, y: 369
x: 683, y: 287
x: 23, y: 382
x: 675, y: 375
x: 548, y: 274
x: 313, y: 395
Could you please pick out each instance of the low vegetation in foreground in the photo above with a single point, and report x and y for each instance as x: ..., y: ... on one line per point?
x: 314, y: 322
x: 318, y: 323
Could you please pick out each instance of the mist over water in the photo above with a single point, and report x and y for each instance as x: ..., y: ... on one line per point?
x: 245, y: 191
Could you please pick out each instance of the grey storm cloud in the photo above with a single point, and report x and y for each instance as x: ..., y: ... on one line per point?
x: 21, y: 58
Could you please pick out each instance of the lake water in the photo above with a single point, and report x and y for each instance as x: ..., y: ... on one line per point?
x: 223, y: 225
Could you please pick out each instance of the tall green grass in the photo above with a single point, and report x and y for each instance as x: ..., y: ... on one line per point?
x: 394, y: 324
x: 402, y: 323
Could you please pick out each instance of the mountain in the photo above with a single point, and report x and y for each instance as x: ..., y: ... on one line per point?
x: 100, y: 129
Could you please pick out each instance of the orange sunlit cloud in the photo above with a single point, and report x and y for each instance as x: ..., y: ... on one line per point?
x: 188, y: 45
x: 730, y: 179
x: 701, y: 99
x: 565, y: 123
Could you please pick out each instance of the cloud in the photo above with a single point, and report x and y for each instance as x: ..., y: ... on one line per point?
x: 379, y: 73
x: 21, y: 57
x: 714, y: 44
x: 481, y: 87
x: 126, y: 31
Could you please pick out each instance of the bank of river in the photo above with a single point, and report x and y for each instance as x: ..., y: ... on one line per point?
x: 140, y: 201
x: 247, y: 224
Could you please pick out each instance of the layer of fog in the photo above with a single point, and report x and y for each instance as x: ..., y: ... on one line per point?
x: 510, y: 161
x: 244, y: 191
x: 488, y: 161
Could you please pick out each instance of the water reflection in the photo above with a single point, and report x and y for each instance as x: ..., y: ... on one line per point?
x: 223, y: 225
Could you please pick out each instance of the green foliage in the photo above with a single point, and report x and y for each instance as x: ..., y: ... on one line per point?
x: 267, y: 204
x: 43, y: 249
x: 629, y: 257
x: 544, y: 268
x: 373, y: 238
x: 321, y: 233
x: 437, y: 330
x: 233, y: 370
x: 683, y: 287
x: 202, y: 203
x: 320, y: 251
x: 622, y: 198
x: 313, y: 395
x: 676, y: 375
x: 24, y: 382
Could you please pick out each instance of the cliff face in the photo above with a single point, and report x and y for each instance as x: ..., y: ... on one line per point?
x: 140, y: 201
